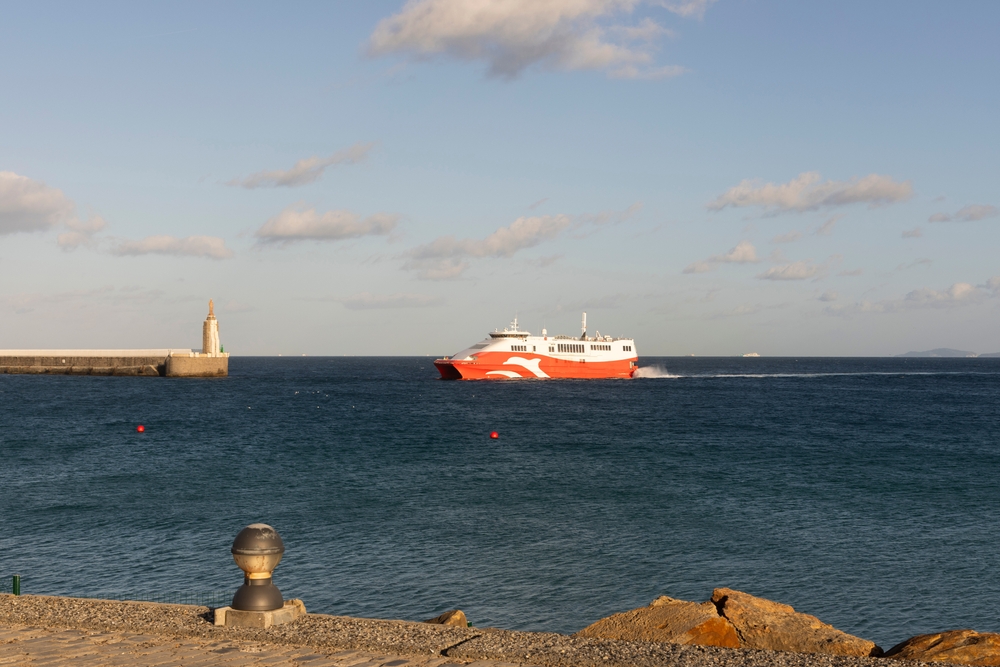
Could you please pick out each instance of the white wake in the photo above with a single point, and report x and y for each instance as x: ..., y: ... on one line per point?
x: 653, y: 372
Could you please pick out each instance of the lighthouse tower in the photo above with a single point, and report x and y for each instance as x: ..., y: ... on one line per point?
x: 210, y: 362
x: 210, y: 333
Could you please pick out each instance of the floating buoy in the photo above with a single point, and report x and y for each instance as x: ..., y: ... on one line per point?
x: 140, y: 428
x: 494, y: 435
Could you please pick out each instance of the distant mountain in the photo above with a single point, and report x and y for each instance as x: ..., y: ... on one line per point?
x: 945, y: 352
x: 991, y: 354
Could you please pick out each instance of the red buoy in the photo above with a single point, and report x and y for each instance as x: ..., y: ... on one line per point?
x: 494, y: 435
x: 140, y: 428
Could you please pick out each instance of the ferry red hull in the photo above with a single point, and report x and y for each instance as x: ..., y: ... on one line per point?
x: 508, y: 366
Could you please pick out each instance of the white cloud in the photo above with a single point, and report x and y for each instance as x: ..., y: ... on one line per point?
x: 976, y: 212
x: 368, y: 301
x: 790, y: 237
x: 612, y: 217
x: 807, y: 192
x: 442, y: 258
x: 211, y: 247
x: 513, y: 35
x: 914, y: 233
x: 969, y: 213
x: 296, y: 224
x: 525, y: 232
x: 687, y: 8
x: 827, y: 227
x: 304, y: 171
x: 446, y: 257
x: 959, y: 294
x: 448, y: 268
x: 829, y: 295
x: 80, y: 233
x: 648, y: 30
x: 743, y: 253
x: 700, y: 266
x: 801, y: 270
x: 27, y: 205
x: 992, y: 285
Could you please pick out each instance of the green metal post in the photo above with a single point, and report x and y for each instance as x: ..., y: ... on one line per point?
x: 16, y: 585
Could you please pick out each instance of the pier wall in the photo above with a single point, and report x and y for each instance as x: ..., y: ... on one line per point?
x: 197, y: 365
x: 151, y: 363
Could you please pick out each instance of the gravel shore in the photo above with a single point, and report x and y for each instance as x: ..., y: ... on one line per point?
x: 325, y: 632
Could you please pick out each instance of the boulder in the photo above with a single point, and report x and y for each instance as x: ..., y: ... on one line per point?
x: 961, y: 647
x: 667, y: 620
x: 763, y: 624
x: 454, y: 617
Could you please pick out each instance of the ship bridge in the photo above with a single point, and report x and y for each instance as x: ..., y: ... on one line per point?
x: 513, y: 332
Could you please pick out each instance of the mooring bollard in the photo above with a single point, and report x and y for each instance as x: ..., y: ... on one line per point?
x: 258, y: 550
x: 15, y: 584
x: 258, y: 602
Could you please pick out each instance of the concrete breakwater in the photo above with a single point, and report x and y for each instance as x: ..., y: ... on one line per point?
x: 156, y: 363
x: 210, y: 362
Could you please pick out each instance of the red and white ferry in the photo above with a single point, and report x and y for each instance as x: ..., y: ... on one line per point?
x: 513, y: 353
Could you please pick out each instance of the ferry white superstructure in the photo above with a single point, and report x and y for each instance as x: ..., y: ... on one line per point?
x: 513, y: 353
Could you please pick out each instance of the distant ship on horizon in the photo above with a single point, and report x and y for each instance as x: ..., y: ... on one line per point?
x: 513, y: 353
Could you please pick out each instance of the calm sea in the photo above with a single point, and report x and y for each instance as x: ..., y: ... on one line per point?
x: 864, y: 491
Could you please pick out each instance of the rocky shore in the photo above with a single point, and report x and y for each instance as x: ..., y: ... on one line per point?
x: 329, y: 634
x: 737, y: 620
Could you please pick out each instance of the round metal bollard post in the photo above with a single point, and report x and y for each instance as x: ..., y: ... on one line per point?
x: 257, y: 550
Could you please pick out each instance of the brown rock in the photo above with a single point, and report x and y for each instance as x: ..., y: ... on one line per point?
x: 763, y: 624
x: 454, y: 617
x: 667, y: 620
x: 961, y: 647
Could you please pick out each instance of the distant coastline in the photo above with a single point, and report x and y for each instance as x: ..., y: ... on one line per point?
x: 949, y: 353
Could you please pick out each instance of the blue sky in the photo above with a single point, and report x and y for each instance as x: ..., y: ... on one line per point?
x: 399, y: 178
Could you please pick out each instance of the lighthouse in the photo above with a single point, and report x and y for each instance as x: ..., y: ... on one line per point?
x: 210, y: 333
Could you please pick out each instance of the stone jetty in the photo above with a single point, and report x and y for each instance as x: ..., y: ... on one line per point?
x: 210, y: 362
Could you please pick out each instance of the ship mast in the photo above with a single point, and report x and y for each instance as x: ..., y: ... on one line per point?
x: 583, y: 336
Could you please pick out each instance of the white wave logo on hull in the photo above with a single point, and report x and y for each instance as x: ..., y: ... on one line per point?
x: 530, y: 364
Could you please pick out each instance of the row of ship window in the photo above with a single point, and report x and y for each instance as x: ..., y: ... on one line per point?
x: 571, y: 348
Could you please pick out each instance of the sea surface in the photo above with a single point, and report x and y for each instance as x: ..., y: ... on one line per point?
x: 864, y: 491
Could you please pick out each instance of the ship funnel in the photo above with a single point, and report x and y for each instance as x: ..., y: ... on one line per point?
x: 583, y: 325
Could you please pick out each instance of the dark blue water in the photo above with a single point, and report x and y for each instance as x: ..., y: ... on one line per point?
x: 864, y: 491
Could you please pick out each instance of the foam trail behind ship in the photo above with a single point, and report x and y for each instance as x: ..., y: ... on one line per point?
x: 654, y: 372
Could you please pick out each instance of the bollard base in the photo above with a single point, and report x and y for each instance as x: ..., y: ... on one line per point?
x: 233, y: 618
